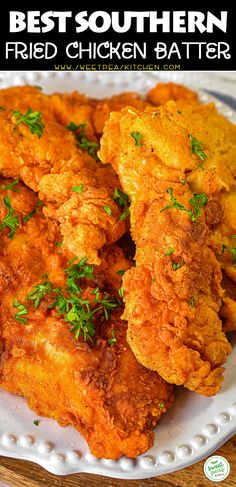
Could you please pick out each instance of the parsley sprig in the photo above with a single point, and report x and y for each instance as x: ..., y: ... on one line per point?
x: 32, y: 119
x: 22, y: 311
x: 10, y: 220
x: 35, y: 210
x: 137, y: 138
x: 80, y: 135
x: 197, y: 203
x: 197, y: 149
x: 231, y: 251
x: 111, y: 341
x: 122, y: 201
x: 39, y: 291
x: 70, y: 303
x: 11, y: 186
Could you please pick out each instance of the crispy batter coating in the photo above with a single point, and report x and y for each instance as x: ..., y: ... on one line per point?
x: 101, y: 390
x: 54, y: 161
x: 163, y: 92
x: 174, y: 294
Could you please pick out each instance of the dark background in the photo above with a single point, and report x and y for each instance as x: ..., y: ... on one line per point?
x: 62, y: 39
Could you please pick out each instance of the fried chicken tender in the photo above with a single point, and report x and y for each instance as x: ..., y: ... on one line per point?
x: 55, y: 159
x: 99, y: 389
x: 177, y: 163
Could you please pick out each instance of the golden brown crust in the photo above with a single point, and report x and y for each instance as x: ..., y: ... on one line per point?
x: 101, y: 390
x: 172, y: 312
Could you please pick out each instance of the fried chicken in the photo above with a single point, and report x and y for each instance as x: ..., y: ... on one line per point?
x: 55, y: 159
x: 61, y: 156
x: 96, y: 385
x: 177, y: 164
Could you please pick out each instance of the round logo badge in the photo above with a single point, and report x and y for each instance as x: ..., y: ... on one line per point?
x: 216, y: 468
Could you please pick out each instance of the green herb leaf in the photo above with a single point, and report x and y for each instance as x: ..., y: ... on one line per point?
x: 10, y: 220
x: 121, y: 292
x: 170, y: 251
x: 197, y: 202
x: 36, y: 422
x: 27, y: 217
x: 125, y: 214
x: 32, y: 119
x: 137, y: 137
x: 121, y: 198
x: 108, y: 210
x: 78, y: 189
x: 121, y: 272
x: 23, y: 311
x: 111, y: 341
x: 233, y: 253
x: 39, y: 291
x: 78, y: 271
x: 79, y: 131
x: 59, y: 244
x: 162, y: 405
x: 11, y: 186
x: 177, y: 265
x: 196, y: 149
x: 191, y: 302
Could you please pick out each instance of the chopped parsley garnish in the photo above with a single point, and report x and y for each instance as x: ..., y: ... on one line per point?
x: 22, y: 311
x: 197, y: 202
x: 10, y: 220
x: 32, y: 119
x: 75, y: 310
x: 108, y: 210
x: 177, y: 265
x: 11, y: 186
x: 79, y: 131
x: 121, y: 198
x: 162, y: 405
x: 121, y: 292
x: 38, y: 87
x: 59, y: 244
x: 78, y: 189
x: 36, y: 422
x: 29, y: 215
x: 122, y: 201
x: 78, y: 271
x: 121, y: 272
x: 39, y: 291
x: 137, y: 137
x: 125, y: 214
x: 111, y: 341
x: 170, y: 251
x: 231, y: 251
x: 196, y: 149
x: 183, y: 181
x: 191, y: 302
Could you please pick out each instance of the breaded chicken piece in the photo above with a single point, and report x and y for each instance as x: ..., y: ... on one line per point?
x: 54, y: 160
x: 163, y: 92
x: 98, y: 388
x: 177, y: 164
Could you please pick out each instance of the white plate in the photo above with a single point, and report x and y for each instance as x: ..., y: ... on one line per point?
x: 195, y: 426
